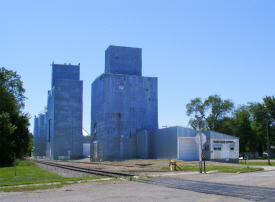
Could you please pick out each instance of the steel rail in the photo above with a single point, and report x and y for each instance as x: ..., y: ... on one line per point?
x: 85, y: 170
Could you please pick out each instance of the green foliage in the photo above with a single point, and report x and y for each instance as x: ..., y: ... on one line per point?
x: 259, y: 113
x: 248, y: 122
x: 243, y: 130
x: 6, y: 143
x: 20, y: 162
x: 270, y: 106
x: 14, y: 134
x: 214, y: 108
x: 11, y: 83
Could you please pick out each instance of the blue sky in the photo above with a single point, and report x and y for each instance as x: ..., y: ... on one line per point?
x: 195, y: 48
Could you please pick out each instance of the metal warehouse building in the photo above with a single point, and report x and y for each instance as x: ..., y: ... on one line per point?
x: 179, y: 143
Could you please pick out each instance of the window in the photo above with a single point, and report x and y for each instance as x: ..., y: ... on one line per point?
x: 231, y: 148
x: 217, y: 146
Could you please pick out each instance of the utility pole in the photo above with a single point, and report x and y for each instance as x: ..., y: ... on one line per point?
x: 267, y: 134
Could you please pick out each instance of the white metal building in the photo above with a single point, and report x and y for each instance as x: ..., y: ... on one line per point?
x: 179, y: 143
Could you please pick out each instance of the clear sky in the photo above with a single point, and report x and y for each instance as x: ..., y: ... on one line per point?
x: 195, y: 48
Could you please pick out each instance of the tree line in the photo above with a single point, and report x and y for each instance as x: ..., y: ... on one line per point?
x: 248, y: 122
x: 15, y: 138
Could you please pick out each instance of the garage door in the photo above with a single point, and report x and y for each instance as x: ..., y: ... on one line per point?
x: 188, y: 149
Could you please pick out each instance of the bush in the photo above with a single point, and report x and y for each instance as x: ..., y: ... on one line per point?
x: 19, y: 162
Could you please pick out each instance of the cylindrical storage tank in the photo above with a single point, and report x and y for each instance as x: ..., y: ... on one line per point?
x: 35, y: 135
x: 41, y: 123
x: 35, y: 126
x: 41, y: 136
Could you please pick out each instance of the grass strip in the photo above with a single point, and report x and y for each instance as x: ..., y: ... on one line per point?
x: 32, y: 174
x: 257, y: 163
x: 227, y: 169
x: 34, y: 187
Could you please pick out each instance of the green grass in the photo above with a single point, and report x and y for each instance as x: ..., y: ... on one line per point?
x: 29, y: 173
x: 34, y: 187
x: 258, y: 163
x: 228, y: 169
x: 263, y: 158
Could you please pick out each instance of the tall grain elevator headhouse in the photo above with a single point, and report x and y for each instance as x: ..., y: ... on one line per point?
x: 64, y: 113
x: 123, y: 102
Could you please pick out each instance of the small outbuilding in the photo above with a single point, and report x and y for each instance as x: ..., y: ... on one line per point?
x: 179, y: 143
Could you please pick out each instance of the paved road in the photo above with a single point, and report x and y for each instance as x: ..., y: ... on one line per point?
x: 246, y: 192
x: 260, y: 179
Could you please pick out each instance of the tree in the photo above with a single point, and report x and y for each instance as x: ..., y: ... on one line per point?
x: 6, y: 143
x: 243, y: 130
x: 261, y: 111
x: 11, y: 82
x: 269, y: 102
x: 15, y: 137
x: 214, y: 108
x: 226, y: 125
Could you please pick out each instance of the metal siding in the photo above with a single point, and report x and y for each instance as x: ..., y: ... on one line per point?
x: 68, y: 118
x: 121, y: 106
x: 166, y: 143
x: 67, y: 72
x: 97, y: 117
x: 188, y: 149
x: 64, y: 113
x: 35, y: 136
x: 41, y: 143
x: 186, y: 132
x: 142, y: 144
x: 123, y: 60
x: 50, y: 123
x: 86, y: 149
x: 45, y: 132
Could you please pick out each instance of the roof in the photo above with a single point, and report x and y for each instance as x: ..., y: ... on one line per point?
x: 213, y: 134
x: 208, y: 134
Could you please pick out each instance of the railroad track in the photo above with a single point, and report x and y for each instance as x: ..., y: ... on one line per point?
x: 85, y: 170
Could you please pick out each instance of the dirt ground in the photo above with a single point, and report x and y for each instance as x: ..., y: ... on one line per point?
x: 139, y: 166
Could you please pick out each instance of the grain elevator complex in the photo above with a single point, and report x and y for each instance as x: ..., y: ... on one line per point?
x: 62, y: 132
x: 124, y: 117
